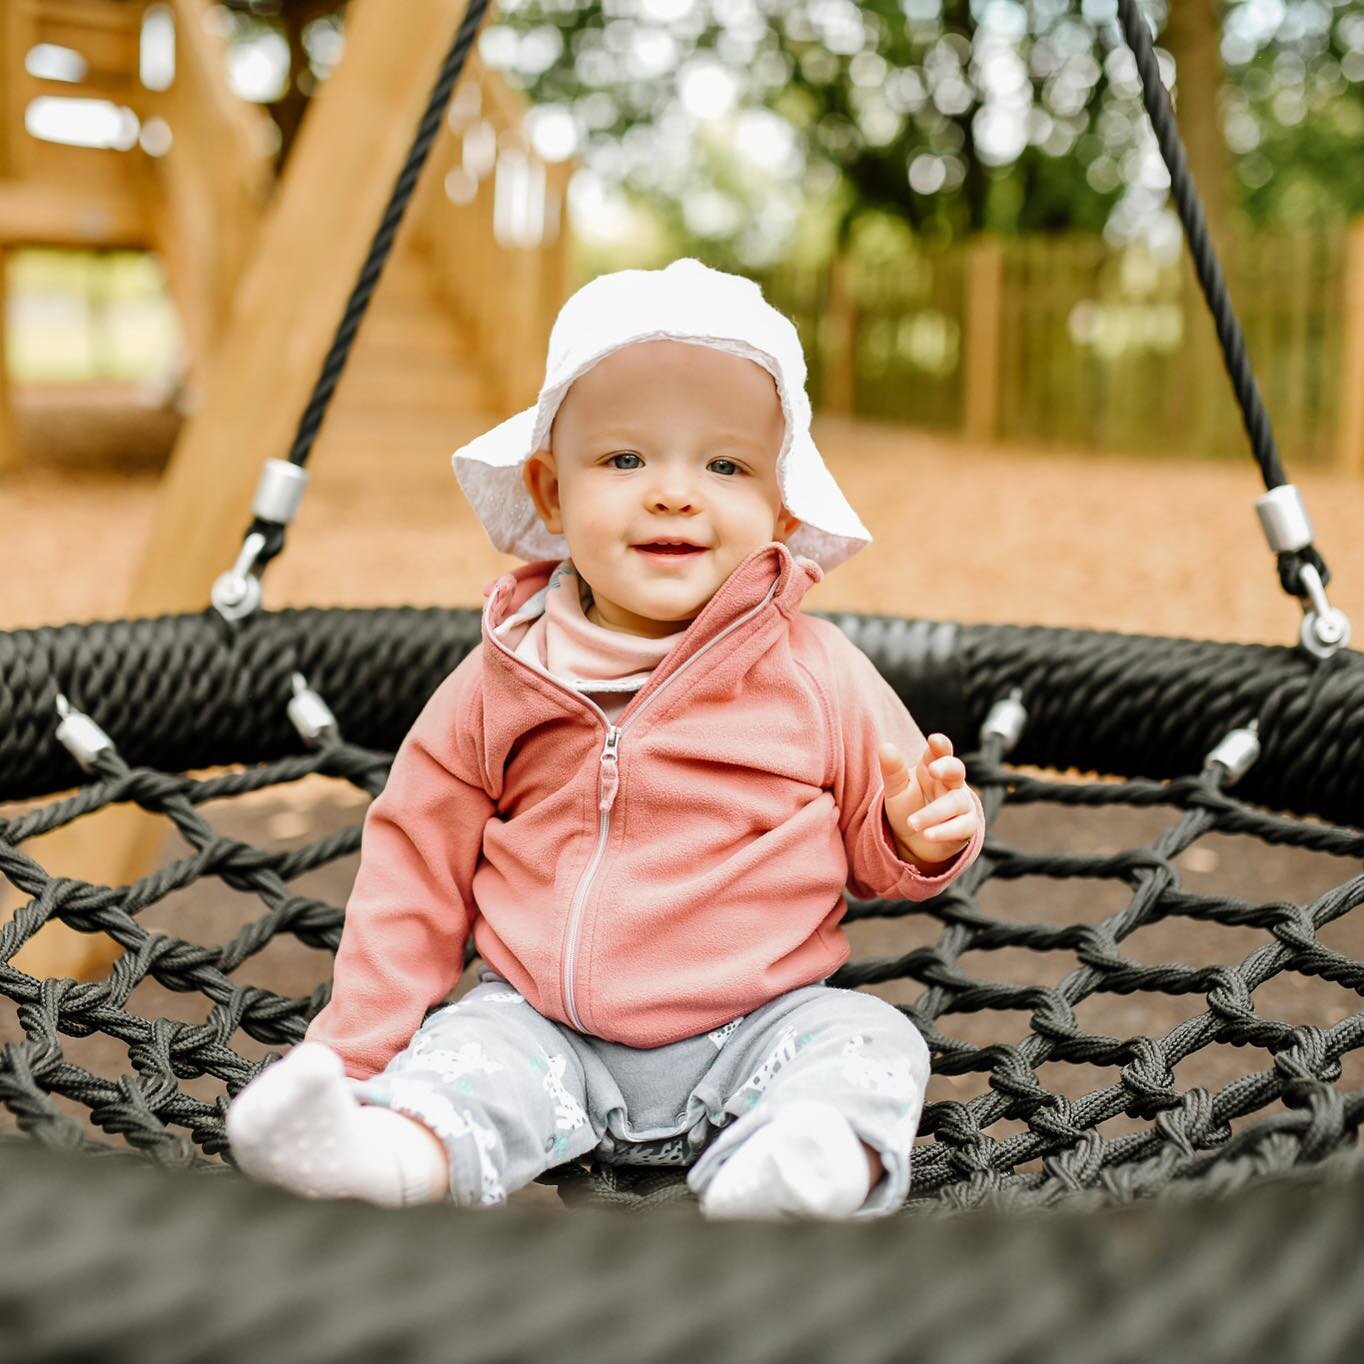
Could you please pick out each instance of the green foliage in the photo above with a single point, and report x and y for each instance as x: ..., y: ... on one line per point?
x: 1294, y: 114
x: 952, y: 115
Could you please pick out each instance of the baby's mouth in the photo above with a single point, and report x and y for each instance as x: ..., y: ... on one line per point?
x: 675, y: 548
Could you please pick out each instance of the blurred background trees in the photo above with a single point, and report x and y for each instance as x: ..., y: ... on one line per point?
x: 853, y: 155
x: 747, y: 130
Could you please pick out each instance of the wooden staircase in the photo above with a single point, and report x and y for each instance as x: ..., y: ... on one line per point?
x: 415, y: 385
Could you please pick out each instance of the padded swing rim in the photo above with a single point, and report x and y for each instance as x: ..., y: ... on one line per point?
x: 180, y: 693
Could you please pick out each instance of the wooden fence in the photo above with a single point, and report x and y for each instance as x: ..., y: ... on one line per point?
x: 1065, y: 340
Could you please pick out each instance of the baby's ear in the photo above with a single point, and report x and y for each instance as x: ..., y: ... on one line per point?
x: 542, y: 483
x: 787, y: 525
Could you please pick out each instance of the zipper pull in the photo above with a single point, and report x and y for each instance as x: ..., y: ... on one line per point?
x: 608, y: 775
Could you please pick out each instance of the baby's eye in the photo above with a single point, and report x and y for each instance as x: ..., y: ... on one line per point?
x: 615, y: 461
x: 724, y: 466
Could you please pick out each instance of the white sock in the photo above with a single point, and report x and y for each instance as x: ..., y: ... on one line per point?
x: 298, y: 1124
x: 806, y: 1162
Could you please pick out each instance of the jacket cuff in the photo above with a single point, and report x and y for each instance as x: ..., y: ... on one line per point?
x: 905, y: 880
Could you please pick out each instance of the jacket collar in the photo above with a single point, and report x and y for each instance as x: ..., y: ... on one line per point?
x: 742, y: 591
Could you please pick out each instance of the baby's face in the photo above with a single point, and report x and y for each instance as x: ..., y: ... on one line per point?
x: 662, y: 477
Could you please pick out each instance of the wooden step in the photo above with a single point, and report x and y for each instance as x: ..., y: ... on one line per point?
x: 409, y: 353
x: 92, y: 169
x: 438, y: 430
x: 407, y: 328
x: 108, y: 36
x: 441, y: 389
x: 38, y: 213
x: 97, y: 14
x: 441, y: 431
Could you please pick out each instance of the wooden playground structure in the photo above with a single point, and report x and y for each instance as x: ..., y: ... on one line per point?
x: 260, y: 272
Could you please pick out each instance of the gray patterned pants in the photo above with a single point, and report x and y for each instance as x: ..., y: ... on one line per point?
x: 512, y: 1093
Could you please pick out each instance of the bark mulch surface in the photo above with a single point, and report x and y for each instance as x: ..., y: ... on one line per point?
x: 961, y: 533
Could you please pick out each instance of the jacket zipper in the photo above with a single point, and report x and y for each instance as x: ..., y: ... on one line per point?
x: 608, y: 783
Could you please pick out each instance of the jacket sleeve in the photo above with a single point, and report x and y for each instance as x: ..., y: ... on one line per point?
x: 411, y: 909
x: 866, y: 714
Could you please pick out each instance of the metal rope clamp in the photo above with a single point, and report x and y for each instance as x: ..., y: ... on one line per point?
x: 1237, y: 752
x: 237, y: 593
x: 1283, y: 517
x: 1006, y: 721
x: 82, y: 738
x: 310, y: 715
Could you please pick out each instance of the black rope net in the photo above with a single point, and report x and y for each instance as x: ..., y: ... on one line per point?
x: 1244, y: 1063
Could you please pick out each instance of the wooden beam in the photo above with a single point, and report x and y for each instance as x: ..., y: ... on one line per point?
x: 16, y: 40
x: 33, y: 213
x: 96, y: 14
x: 1350, y: 422
x: 10, y: 456
x: 981, y: 376
x: 838, y: 386
x: 215, y: 182
x: 292, y: 295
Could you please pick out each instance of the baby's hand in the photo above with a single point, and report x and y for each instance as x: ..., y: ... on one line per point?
x: 930, y: 810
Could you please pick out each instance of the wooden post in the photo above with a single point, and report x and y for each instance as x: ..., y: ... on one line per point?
x: 17, y: 31
x: 984, y: 292
x: 1350, y: 422
x: 10, y: 455
x: 839, y: 387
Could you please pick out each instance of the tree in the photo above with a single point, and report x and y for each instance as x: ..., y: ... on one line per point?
x: 755, y: 126
x: 950, y: 115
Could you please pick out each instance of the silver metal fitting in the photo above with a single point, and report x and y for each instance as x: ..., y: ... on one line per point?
x: 1325, y: 628
x: 1006, y: 720
x: 236, y: 593
x: 1237, y: 752
x: 310, y: 714
x: 1284, y: 519
x: 279, y: 491
x: 82, y: 738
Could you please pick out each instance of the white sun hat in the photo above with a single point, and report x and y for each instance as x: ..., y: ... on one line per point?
x: 686, y: 301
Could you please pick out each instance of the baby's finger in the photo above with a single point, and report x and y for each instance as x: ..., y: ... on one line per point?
x: 940, y: 746
x: 953, y: 831
x: 949, y: 771
x: 894, y: 772
x: 956, y: 802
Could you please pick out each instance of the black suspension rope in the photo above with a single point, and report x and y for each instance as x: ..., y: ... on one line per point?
x: 1211, y: 279
x: 379, y: 250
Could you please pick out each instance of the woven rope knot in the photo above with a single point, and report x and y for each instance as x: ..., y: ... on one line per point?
x: 1305, y: 1060
x: 1057, y: 1122
x: 1148, y: 1079
x: 1013, y: 1077
x: 1081, y: 1165
x: 1191, y: 1125
x: 1230, y: 999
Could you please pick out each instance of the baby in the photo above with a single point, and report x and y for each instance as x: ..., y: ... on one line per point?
x: 644, y: 794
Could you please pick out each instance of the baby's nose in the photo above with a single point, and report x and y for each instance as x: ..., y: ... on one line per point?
x: 674, y: 496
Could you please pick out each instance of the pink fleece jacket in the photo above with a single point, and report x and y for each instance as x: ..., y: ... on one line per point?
x: 643, y: 880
